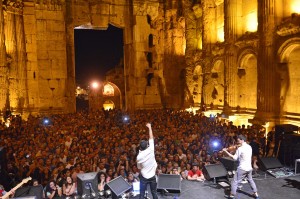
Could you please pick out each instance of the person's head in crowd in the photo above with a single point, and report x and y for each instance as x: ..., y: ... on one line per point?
x: 131, y: 178
x: 169, y: 165
x: 35, y: 182
x: 163, y: 168
x: 115, y: 174
x: 52, y: 185
x: 183, y: 174
x: 69, y: 181
x: 102, y: 177
x: 188, y: 166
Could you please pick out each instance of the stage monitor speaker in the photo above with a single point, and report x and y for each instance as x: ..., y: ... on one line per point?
x: 30, y: 192
x: 169, y: 183
x: 118, y: 186
x: 87, y: 183
x: 214, y: 171
x: 26, y: 197
x: 229, y: 163
x: 267, y: 163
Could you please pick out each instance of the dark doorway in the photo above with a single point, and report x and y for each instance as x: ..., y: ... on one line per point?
x: 96, y: 53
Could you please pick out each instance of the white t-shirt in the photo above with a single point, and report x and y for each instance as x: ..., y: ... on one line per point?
x: 146, y: 161
x: 244, y: 156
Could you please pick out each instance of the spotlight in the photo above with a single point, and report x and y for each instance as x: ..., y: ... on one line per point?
x: 215, y: 143
x: 46, y: 121
x: 126, y: 118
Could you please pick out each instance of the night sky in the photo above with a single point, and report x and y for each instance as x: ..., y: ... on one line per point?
x: 96, y: 52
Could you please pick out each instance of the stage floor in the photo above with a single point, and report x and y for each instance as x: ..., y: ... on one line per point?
x: 268, y: 187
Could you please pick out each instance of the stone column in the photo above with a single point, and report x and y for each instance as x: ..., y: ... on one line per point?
x: 70, y: 81
x: 3, y: 66
x: 191, y: 28
x: 208, y: 7
x: 266, y: 93
x: 209, y: 34
x: 11, y: 49
x: 232, y: 28
x: 22, y: 87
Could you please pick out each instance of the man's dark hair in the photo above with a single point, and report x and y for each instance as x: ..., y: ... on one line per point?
x: 242, y: 137
x: 143, y: 145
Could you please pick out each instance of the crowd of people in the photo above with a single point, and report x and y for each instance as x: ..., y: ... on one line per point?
x: 55, y: 149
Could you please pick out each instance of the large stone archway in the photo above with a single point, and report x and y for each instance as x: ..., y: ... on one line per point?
x: 247, y: 81
x: 289, y: 71
x: 215, y: 87
x: 108, y: 95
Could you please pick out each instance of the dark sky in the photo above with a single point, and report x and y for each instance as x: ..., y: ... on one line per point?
x: 96, y: 52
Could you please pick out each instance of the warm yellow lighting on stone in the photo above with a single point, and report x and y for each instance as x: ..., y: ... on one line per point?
x: 9, y: 47
x: 108, y: 90
x: 295, y: 6
x: 108, y: 105
x: 184, y: 47
x: 251, y: 22
x: 221, y: 34
x: 199, y: 46
x: 192, y: 110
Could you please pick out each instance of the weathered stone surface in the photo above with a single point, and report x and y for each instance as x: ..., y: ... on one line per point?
x: 190, y: 63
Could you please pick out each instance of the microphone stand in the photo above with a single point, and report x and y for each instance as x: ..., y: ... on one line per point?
x: 92, y: 191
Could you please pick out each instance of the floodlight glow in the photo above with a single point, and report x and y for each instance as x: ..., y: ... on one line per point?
x: 295, y: 6
x: 95, y: 85
x: 251, y: 22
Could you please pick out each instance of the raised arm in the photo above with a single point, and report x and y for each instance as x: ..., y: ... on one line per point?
x: 150, y: 130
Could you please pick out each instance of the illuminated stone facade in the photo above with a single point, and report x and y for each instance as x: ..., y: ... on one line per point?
x: 235, y: 56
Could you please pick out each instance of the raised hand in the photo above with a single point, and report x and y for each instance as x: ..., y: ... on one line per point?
x: 148, y: 125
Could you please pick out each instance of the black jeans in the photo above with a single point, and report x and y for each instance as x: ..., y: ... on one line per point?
x: 143, y: 186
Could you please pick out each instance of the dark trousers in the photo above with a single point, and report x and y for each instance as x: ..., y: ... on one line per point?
x: 143, y: 186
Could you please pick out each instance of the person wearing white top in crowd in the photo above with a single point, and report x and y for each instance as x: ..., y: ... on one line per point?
x: 147, y: 164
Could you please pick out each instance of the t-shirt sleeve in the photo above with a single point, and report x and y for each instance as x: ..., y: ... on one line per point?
x: 151, y: 144
x: 190, y: 173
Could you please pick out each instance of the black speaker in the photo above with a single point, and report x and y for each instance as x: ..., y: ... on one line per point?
x: 269, y: 163
x: 87, y: 183
x: 229, y: 163
x: 286, y: 128
x: 2, y: 159
x: 30, y: 192
x: 214, y: 171
x: 3, y: 168
x: 169, y: 182
x: 118, y: 186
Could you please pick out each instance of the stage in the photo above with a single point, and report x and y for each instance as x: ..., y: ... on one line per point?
x: 268, y: 186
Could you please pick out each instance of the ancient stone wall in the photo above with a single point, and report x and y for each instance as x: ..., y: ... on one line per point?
x: 236, y: 56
